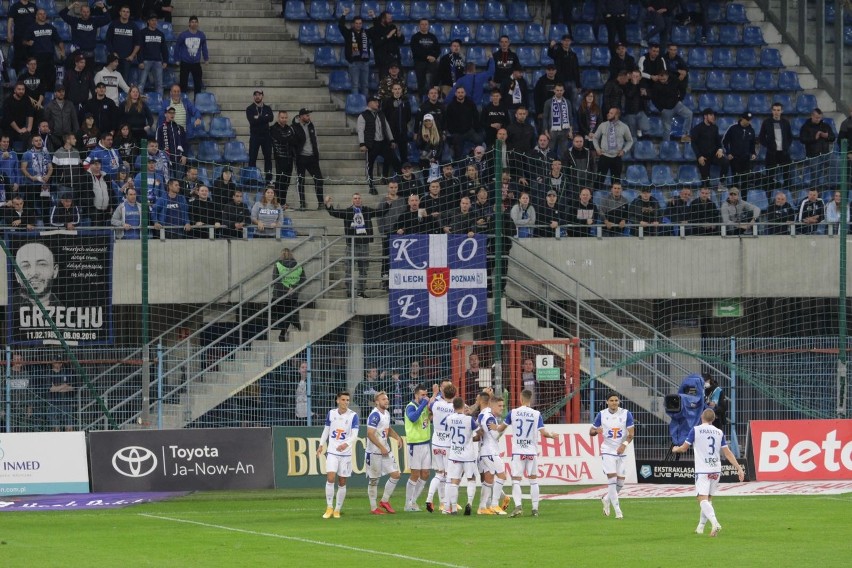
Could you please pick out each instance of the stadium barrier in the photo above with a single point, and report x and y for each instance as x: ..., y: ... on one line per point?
x: 44, y: 463
x: 800, y: 450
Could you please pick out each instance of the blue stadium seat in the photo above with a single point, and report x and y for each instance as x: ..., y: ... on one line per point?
x: 220, y: 127
x: 469, y: 11
x: 688, y: 152
x: 339, y: 81
x: 534, y: 33
x: 785, y: 100
x: 154, y: 101
x: 397, y: 9
x: 644, y: 150
x: 409, y: 29
x: 603, y: 35
x: 556, y: 32
x: 63, y: 28
x: 294, y: 10
x: 582, y: 55
x: 734, y: 103
x: 796, y: 124
x: 101, y: 55
x: 636, y: 176
x: 367, y: 6
x: 287, y: 231
x: 765, y: 81
x: 688, y: 175
x: 355, y: 104
x: 440, y: 32
x: 341, y: 5
x: 332, y: 35
x: 600, y: 56
x: 406, y: 59
x: 251, y: 179
x: 477, y: 55
x: 671, y: 151
x: 321, y: 10
x: 461, y: 32
x: 805, y: 103
x: 326, y: 56
x: 752, y: 35
x: 691, y: 102
x: 415, y: 106
x: 486, y: 34
x: 235, y: 152
x: 583, y: 34
x: 709, y: 100
x: 208, y: 151
x: 759, y: 104
x: 741, y: 81
x: 519, y: 12
x: 661, y: 176
x: 724, y: 123
x: 206, y: 103
x: 411, y: 81
x: 747, y: 57
x: 699, y: 57
x: 655, y: 127
x: 771, y: 57
x: 730, y: 35
x: 847, y: 35
x: 682, y: 35
x: 591, y: 79
x: 736, y: 14
x: 167, y: 29
x: 495, y: 11
x: 758, y: 198
x: 446, y: 12
x: 545, y: 59
x: 309, y: 34
x: 528, y: 56
x: 724, y: 57
x: 421, y: 9
x: 788, y: 81
x: 717, y: 81
x: 513, y: 31
x: 715, y: 14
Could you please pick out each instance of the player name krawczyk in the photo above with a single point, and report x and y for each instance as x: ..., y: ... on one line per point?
x: 63, y: 316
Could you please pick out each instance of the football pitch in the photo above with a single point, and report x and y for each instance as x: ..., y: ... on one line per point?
x: 285, y: 528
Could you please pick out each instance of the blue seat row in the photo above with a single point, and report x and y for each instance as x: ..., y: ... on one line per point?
x: 467, y: 10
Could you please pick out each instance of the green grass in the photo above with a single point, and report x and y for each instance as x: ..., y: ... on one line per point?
x: 285, y: 528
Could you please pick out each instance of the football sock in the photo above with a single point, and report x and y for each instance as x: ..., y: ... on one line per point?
x: 418, y: 489
x: 707, y: 509
x: 433, y: 486
x: 372, y: 492
x: 702, y: 520
x: 471, y: 491
x: 613, y: 493
x: 497, y: 492
x: 619, y: 485
x: 534, y: 494
x: 409, y: 491
x: 341, y: 495
x: 329, y: 493
x: 485, y: 496
x: 442, y: 487
x: 516, y: 492
x: 389, y: 488
x: 452, y: 497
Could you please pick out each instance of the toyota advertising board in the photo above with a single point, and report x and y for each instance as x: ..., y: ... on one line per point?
x: 181, y: 460
x: 800, y: 450
x: 43, y: 463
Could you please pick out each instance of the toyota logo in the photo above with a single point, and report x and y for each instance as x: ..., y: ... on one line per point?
x: 134, y: 461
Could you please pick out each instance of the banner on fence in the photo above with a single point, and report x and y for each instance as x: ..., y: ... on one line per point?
x: 800, y: 450
x: 44, y: 463
x: 679, y: 472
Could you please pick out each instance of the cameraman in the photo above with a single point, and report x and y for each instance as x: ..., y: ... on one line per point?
x: 715, y: 400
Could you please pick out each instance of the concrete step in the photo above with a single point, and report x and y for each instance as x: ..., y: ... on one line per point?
x: 259, y: 59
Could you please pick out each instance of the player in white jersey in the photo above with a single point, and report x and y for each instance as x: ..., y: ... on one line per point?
x: 441, y: 409
x: 341, y: 432
x: 379, y: 460
x: 490, y: 465
x: 461, y: 456
x: 527, y: 425
x: 615, y: 425
x: 708, y: 442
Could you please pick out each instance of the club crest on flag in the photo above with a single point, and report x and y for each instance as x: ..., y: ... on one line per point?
x: 438, y: 280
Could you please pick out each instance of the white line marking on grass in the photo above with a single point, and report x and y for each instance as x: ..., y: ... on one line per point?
x: 303, y: 540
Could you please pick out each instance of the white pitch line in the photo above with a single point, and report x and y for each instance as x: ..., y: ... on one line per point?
x: 303, y: 540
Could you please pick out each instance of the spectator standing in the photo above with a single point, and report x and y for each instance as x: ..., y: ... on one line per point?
x: 136, y: 114
x: 636, y: 105
x: 307, y: 157
x: 171, y: 137
x: 102, y: 109
x: 79, y: 83
x: 153, y: 55
x: 391, y: 80
x: 61, y: 114
x: 543, y: 88
x: 613, y: 93
x: 589, y: 116
x: 31, y: 78
x: 96, y: 195
x: 259, y: 115
x: 615, y: 211
x: 235, y: 216
x: 18, y: 116
x: 567, y: 66
x: 397, y: 110
x: 739, y: 143
x: 186, y: 114
x: 503, y: 61
x: 376, y: 139
x: 171, y: 210
x: 434, y: 106
x: 37, y: 169
x: 612, y: 140
x: 61, y: 396
x: 817, y: 137
x: 387, y: 40
x: 108, y: 156
x: 21, y: 18
x: 451, y: 67
x: 425, y: 51
x: 550, y: 217
x: 283, y: 150
x: 776, y: 135
x: 121, y: 42
x: 84, y: 28
x: 358, y: 227
x: 204, y: 213
x: 393, y: 205
x: 191, y: 52
x: 462, y: 120
x: 128, y: 217
x: 267, y: 214
x: 515, y: 90
x: 67, y: 166
x: 493, y: 117
x: 708, y: 149
x: 660, y: 15
x: 155, y: 183
x: 615, y: 19
x: 356, y: 51
x: 620, y: 60
x: 523, y: 216
x: 43, y: 41
x: 65, y: 215
x: 430, y: 144
x: 113, y: 80
x: 581, y: 215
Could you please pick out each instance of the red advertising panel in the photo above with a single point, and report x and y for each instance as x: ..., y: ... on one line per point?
x: 798, y: 450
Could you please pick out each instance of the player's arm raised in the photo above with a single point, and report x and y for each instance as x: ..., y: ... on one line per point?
x: 729, y: 455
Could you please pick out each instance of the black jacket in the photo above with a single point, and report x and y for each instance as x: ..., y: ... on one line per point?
x: 814, y: 147
x: 706, y: 140
x: 739, y: 141
x: 348, y: 216
x: 283, y: 140
x: 767, y: 135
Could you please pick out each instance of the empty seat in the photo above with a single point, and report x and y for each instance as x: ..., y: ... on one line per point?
x: 591, y: 79
x: 295, y: 10
x: 63, y: 29
x: 644, y: 150
x: 634, y: 34
x: 251, y: 179
x: 461, y: 32
x: 724, y: 123
x: 397, y: 9
x: 486, y: 34
x: 339, y: 81
x: 759, y: 104
x: 699, y: 57
x: 636, y: 175
x: 765, y: 81
x: 583, y: 34
x: 49, y: 6
x: 355, y: 104
x: 771, y: 57
x: 101, y: 56
x: 655, y: 126
x: 206, y: 103
x: 220, y: 127
x: 805, y: 103
x: 709, y: 100
x: 154, y: 101
x: 747, y: 57
x: 421, y: 9
x: 758, y: 198
x: 332, y: 35
x: 519, y: 12
x: 741, y: 81
x: 715, y: 13
x: 788, y: 81
x: 534, y: 33
x: 671, y: 151
x: 469, y: 11
x: 784, y: 99
x: 446, y: 12
x: 495, y: 10
x: 235, y: 152
x: 409, y: 29
x: 208, y: 151
x: 730, y: 35
x: 736, y: 14
x: 724, y: 57
x: 661, y: 176
x: 528, y: 56
x: 326, y: 56
x: 477, y: 56
x: 556, y: 32
x: 406, y: 58
x: 321, y: 10
x: 368, y: 6
x: 582, y: 55
x: 688, y: 175
x: 440, y: 33
x: 734, y: 104
x: 309, y: 34
x: 512, y: 31
x: 341, y: 6
x: 717, y: 81
x: 682, y: 35
x: 600, y: 56
x: 753, y: 35
x: 411, y: 81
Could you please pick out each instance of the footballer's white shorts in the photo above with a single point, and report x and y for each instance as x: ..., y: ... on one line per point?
x: 461, y: 470
x: 614, y: 465
x: 706, y: 483
x: 341, y: 465
x: 419, y: 456
x: 490, y: 464
x: 439, y: 459
x: 523, y: 464
x: 378, y: 465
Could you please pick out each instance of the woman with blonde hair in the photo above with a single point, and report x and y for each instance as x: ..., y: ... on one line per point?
x: 431, y: 144
x: 136, y: 114
x: 267, y: 214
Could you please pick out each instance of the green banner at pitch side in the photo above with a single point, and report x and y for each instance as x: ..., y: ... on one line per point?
x: 298, y: 465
